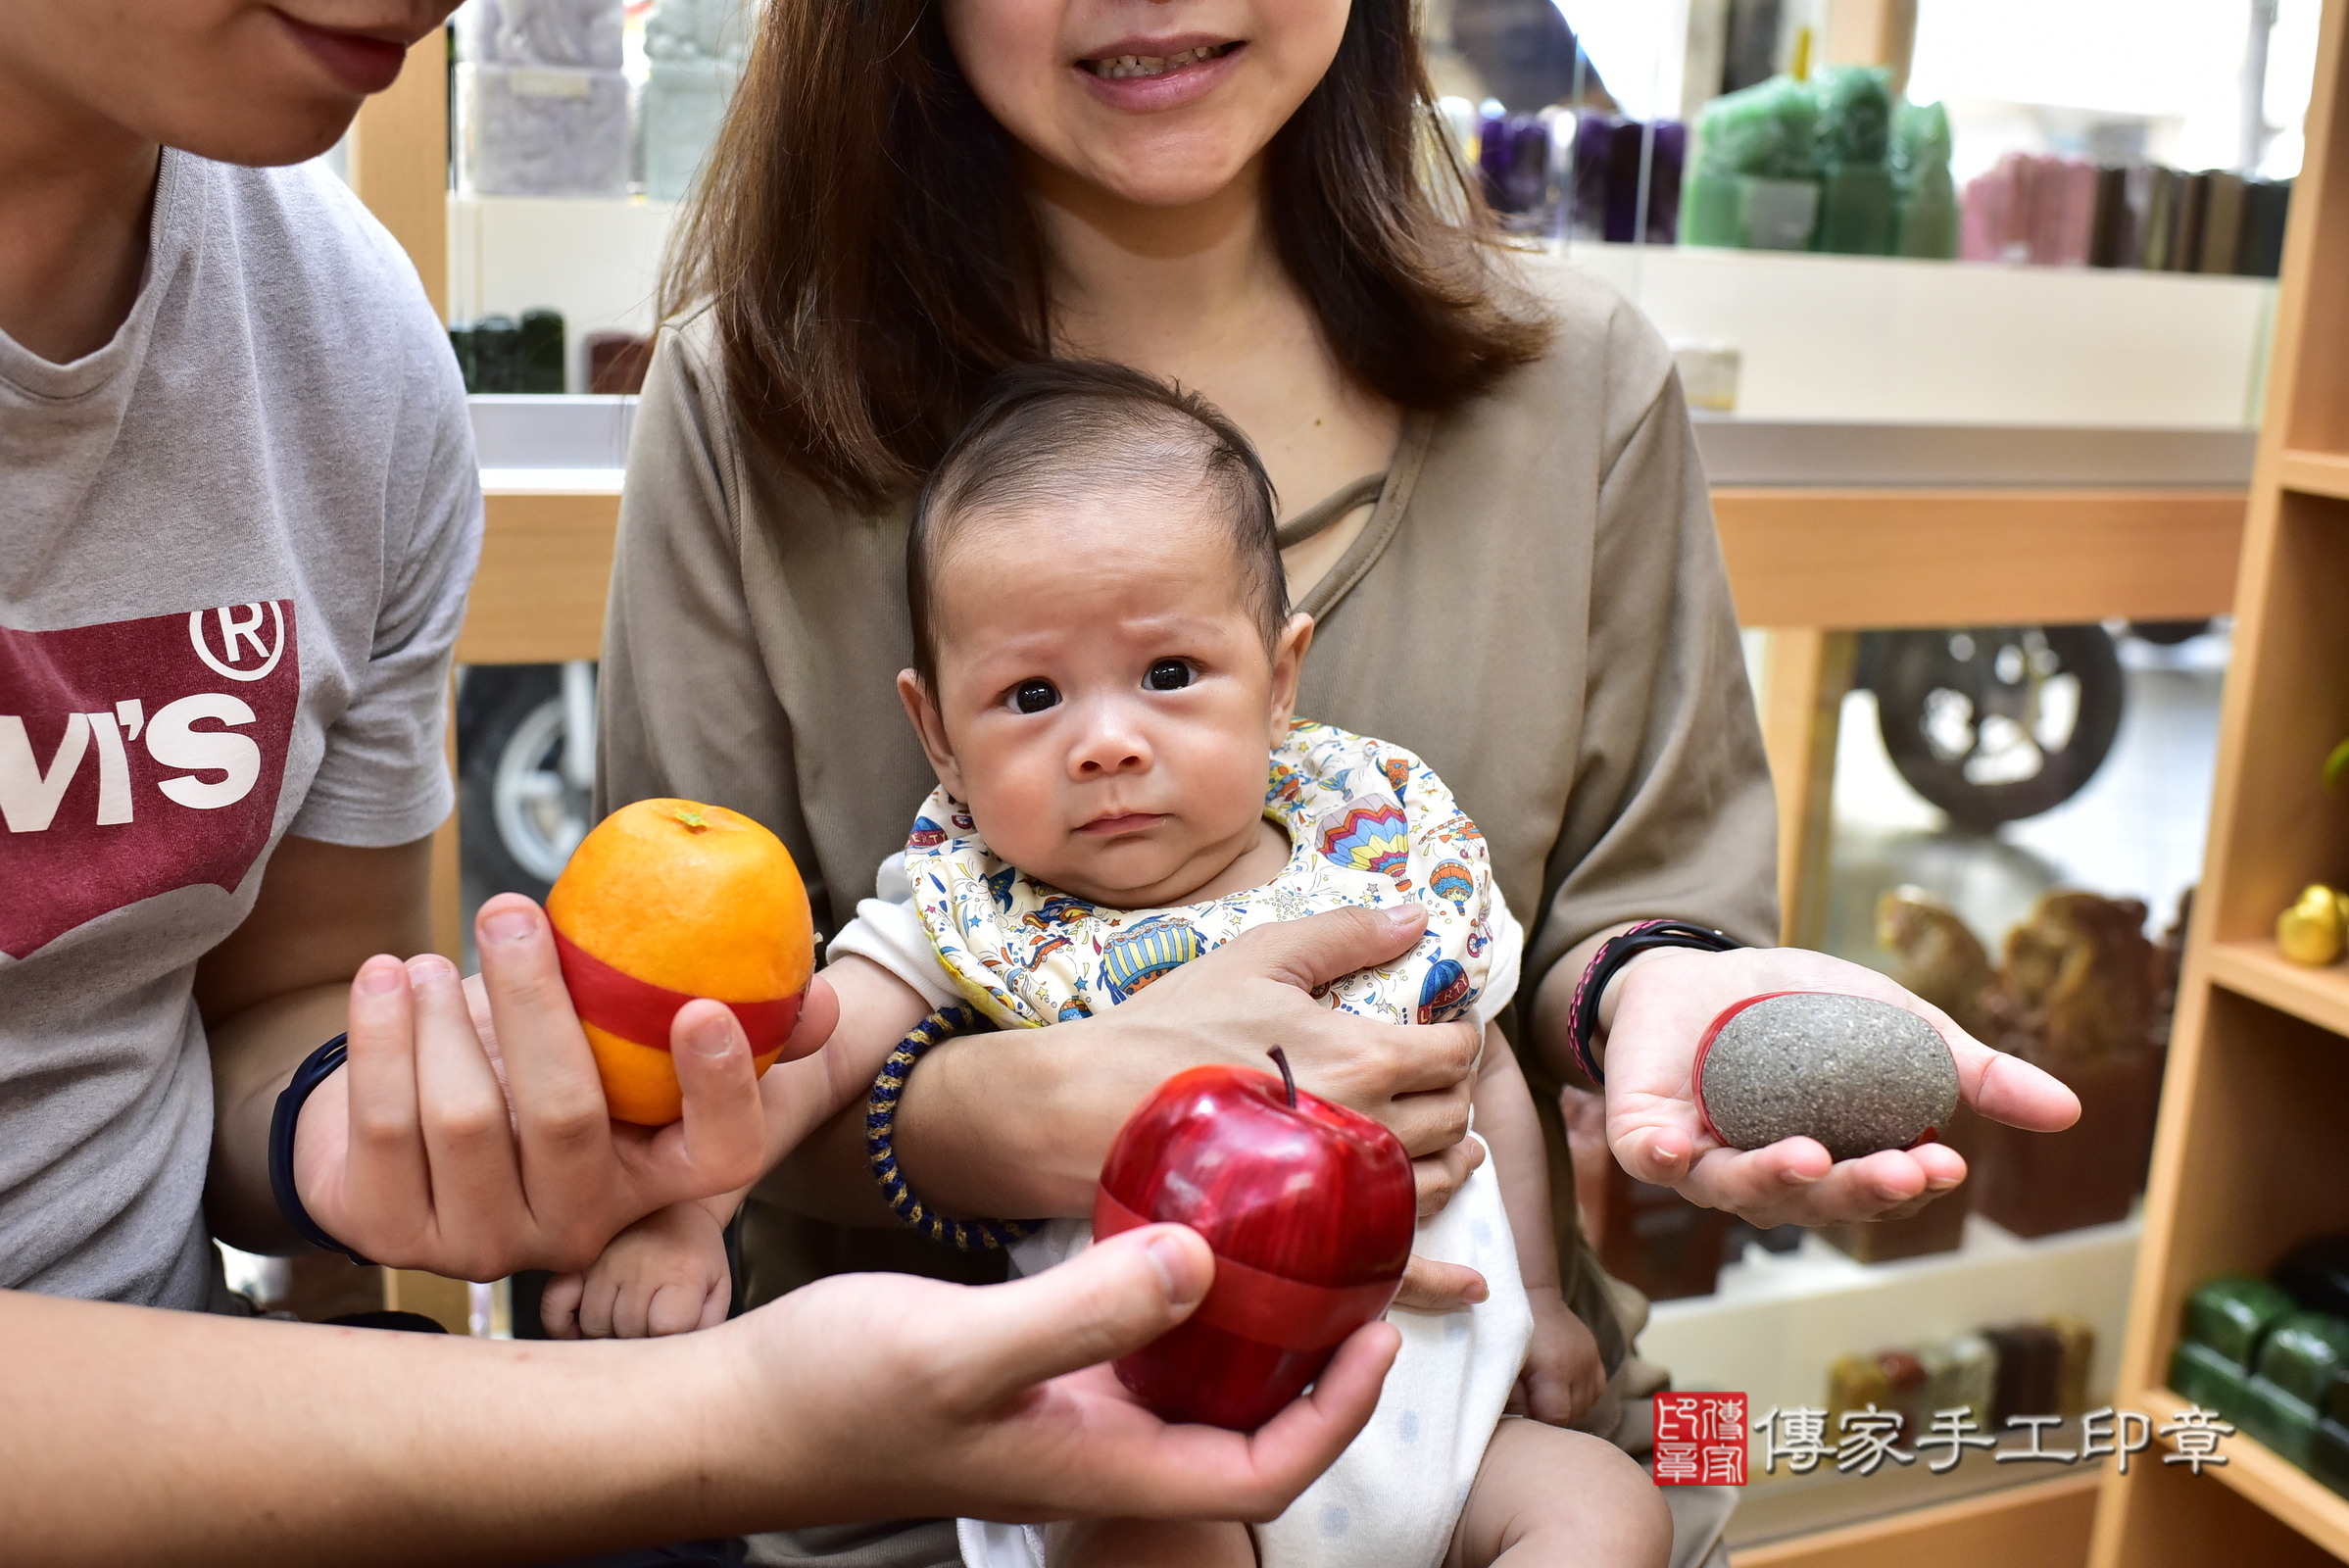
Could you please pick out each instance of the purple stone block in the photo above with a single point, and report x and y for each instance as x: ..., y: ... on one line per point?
x: 1668, y: 158
x: 1493, y: 151
x: 1513, y: 157
x: 1528, y: 164
x: 1623, y: 180
x: 1594, y: 140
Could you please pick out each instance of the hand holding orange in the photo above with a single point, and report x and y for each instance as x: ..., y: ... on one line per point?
x: 667, y: 901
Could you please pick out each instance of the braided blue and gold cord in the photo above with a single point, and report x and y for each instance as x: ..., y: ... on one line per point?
x: 880, y: 1123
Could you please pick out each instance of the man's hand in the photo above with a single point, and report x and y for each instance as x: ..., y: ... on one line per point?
x: 944, y: 1400
x: 1665, y: 1001
x: 862, y: 1397
x: 475, y: 1140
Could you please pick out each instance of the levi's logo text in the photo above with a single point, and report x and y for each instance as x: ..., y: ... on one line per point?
x: 138, y: 757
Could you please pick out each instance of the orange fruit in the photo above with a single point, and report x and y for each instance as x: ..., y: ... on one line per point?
x: 664, y: 901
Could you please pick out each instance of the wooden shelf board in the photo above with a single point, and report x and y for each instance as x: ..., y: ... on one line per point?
x: 2256, y: 969
x: 1855, y: 558
x: 2315, y: 473
x: 2264, y: 1477
x: 2042, y: 1524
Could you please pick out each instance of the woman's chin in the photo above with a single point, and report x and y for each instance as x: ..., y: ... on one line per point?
x: 1164, y: 173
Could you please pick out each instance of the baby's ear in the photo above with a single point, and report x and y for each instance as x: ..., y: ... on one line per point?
x: 1287, y: 665
x: 929, y: 727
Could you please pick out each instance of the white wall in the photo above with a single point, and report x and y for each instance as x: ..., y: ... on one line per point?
x: 1871, y: 339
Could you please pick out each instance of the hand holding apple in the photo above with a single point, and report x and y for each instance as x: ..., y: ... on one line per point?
x: 1309, y: 1209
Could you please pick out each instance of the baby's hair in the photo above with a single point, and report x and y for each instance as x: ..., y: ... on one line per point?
x: 1058, y: 429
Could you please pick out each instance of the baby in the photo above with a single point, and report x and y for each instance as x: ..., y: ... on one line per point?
x: 1106, y: 671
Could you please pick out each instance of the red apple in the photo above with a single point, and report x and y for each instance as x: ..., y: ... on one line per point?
x: 1309, y: 1208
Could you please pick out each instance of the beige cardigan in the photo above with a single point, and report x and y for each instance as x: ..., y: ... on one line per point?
x: 1537, y: 606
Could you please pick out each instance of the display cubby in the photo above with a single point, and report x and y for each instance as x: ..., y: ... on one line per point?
x: 2250, y: 1158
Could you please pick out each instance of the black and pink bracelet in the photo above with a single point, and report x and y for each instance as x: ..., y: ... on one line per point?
x: 1582, y: 1018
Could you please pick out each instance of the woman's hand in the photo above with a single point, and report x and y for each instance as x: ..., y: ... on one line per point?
x: 468, y: 1134
x: 1018, y: 1123
x: 1664, y: 1003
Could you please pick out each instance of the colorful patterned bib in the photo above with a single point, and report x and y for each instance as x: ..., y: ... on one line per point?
x: 1369, y: 824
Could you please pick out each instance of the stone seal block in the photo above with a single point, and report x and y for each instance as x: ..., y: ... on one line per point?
x: 1856, y: 1074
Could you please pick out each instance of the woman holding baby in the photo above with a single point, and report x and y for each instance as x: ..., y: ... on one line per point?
x: 1490, y: 516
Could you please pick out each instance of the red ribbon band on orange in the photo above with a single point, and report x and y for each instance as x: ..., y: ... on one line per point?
x: 1265, y: 1308
x: 640, y: 1011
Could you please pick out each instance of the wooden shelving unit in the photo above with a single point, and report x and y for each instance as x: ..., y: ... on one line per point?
x: 2251, y: 1157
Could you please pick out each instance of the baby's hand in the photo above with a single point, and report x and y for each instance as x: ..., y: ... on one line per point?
x: 665, y: 1274
x: 1563, y: 1374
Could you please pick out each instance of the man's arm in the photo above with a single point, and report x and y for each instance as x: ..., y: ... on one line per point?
x: 280, y: 986
x: 135, y: 1435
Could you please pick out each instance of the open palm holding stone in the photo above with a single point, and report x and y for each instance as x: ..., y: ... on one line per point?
x: 1788, y: 1071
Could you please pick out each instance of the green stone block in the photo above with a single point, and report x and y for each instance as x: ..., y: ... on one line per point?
x: 1770, y: 129
x: 461, y: 344
x: 1713, y: 210
x: 1855, y: 114
x: 1929, y: 217
x: 2231, y: 1315
x: 1856, y: 212
x: 1921, y: 140
x: 2328, y: 1456
x: 1781, y: 215
x: 2278, y: 1418
x: 540, y: 352
x: 2202, y: 1375
x: 2304, y: 1353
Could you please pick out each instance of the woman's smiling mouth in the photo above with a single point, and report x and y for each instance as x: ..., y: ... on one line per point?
x: 1120, y: 67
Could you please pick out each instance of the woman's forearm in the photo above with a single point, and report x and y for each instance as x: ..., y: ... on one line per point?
x: 1015, y: 1125
x: 1554, y: 1007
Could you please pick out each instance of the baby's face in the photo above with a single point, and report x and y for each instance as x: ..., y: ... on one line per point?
x: 1106, y: 706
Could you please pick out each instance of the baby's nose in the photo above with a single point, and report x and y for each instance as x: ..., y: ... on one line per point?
x: 1111, y: 744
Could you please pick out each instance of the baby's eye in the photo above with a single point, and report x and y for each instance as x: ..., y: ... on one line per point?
x: 1034, y: 696
x: 1168, y: 675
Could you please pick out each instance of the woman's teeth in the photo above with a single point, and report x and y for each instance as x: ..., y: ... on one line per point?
x: 1118, y: 66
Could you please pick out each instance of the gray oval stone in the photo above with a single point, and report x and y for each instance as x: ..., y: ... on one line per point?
x: 1857, y: 1074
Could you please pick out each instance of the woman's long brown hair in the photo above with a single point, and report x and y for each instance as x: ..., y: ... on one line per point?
x: 870, y: 259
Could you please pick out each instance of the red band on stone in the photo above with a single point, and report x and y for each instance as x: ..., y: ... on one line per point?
x: 1265, y: 1308
x: 640, y: 1011
x: 1704, y: 1048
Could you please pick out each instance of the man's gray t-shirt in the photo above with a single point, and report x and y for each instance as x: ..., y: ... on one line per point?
x: 235, y: 545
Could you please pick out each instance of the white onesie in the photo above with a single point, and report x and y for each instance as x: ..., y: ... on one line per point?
x: 1370, y: 826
